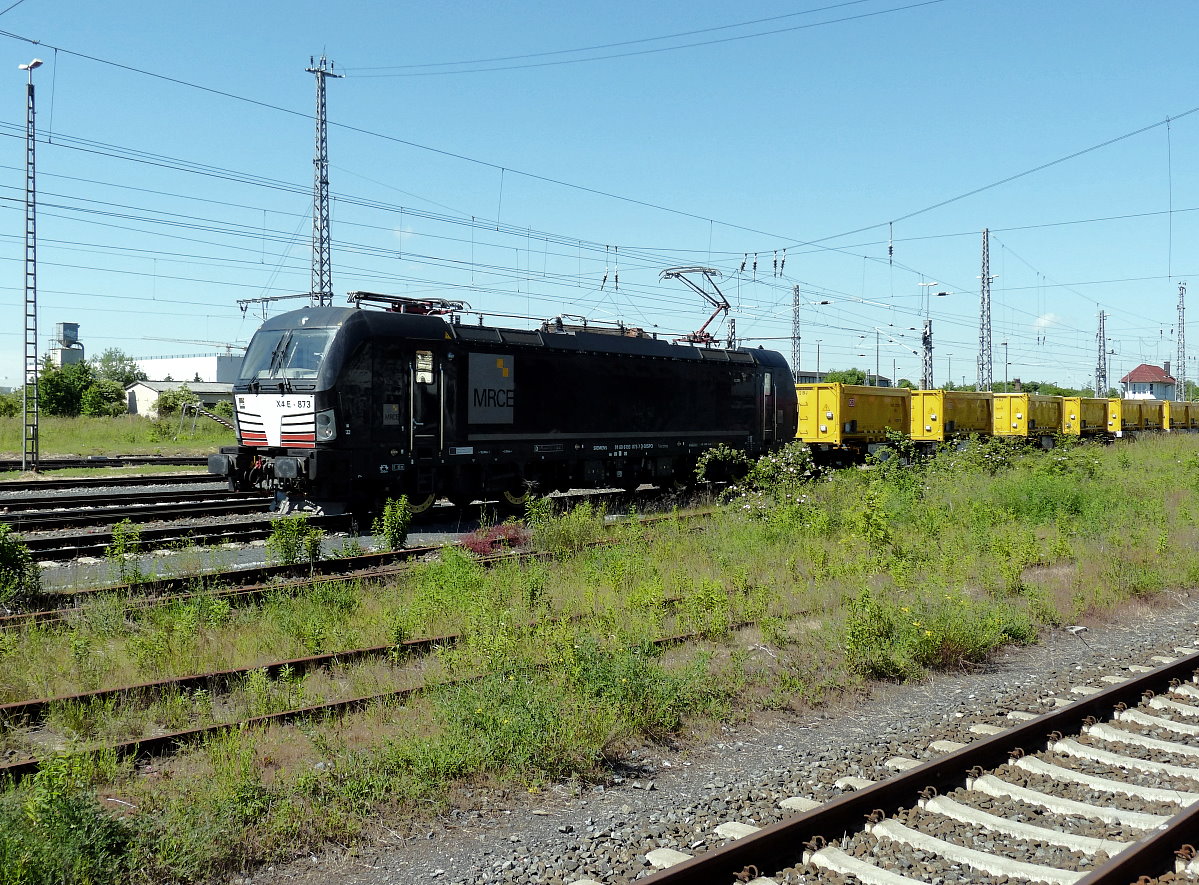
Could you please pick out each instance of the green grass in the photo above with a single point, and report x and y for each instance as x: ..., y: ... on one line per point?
x: 123, y: 435
x: 883, y: 573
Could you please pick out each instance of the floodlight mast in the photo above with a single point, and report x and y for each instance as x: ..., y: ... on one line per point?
x: 717, y: 300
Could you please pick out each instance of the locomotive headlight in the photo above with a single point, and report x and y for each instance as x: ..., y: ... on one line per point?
x: 326, y: 426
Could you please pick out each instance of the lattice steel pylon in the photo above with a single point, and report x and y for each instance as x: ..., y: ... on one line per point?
x: 322, y: 264
x: 29, y: 450
x: 795, y: 353
x: 926, y: 368
x: 1101, y: 386
x: 984, y: 317
x: 1180, y: 371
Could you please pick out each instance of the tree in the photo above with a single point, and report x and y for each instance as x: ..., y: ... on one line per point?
x: 169, y: 402
x: 115, y: 365
x: 904, y: 382
x: 846, y: 376
x: 60, y: 389
x: 104, y: 398
x: 10, y: 403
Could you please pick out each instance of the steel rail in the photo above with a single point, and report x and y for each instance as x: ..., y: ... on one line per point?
x: 159, y: 745
x: 43, y: 520
x: 58, y: 502
x: 361, y: 567
x: 782, y: 844
x: 96, y: 482
x: 249, y: 583
x: 42, y: 546
x: 109, y: 461
x: 34, y: 712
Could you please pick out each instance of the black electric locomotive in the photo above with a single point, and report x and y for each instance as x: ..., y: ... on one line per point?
x: 347, y: 407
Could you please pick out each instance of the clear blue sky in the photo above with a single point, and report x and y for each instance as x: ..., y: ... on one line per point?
x: 514, y: 185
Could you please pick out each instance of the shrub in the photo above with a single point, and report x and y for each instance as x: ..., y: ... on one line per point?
x: 104, y: 399
x: 59, y: 832
x: 392, y: 526
x: 492, y: 539
x: 568, y: 532
x: 20, y: 579
x: 886, y: 640
x: 10, y: 404
x: 293, y: 540
x: 721, y: 464
x: 170, y: 402
x: 123, y: 553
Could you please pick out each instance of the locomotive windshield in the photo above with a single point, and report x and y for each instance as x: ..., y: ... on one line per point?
x: 285, y: 353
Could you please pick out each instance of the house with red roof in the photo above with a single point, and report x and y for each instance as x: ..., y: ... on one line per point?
x: 1150, y: 382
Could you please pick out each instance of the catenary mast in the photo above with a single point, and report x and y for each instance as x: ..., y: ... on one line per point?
x: 1180, y: 370
x: 29, y: 449
x: 984, y: 318
x: 795, y: 353
x: 322, y: 265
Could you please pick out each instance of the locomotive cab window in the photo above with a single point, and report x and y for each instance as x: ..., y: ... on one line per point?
x: 283, y: 353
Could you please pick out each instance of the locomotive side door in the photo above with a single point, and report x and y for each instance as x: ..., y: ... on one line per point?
x: 768, y: 413
x: 425, y: 392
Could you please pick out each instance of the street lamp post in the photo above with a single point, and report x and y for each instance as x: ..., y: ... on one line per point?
x: 1005, y: 365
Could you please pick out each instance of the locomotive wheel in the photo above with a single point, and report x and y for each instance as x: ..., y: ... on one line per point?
x: 420, y: 505
x: 515, y: 499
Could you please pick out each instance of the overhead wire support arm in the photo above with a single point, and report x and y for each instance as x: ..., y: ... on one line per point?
x: 264, y: 300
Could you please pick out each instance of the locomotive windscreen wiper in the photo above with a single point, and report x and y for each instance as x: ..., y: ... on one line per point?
x: 277, y: 354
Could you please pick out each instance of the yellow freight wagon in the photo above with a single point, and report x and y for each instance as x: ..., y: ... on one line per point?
x: 1115, y: 417
x: 1182, y: 415
x: 938, y: 415
x: 1084, y: 416
x: 1027, y: 415
x: 1143, y: 414
x: 849, y: 416
x: 1153, y: 414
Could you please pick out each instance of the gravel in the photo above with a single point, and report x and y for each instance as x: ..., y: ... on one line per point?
x: 675, y: 797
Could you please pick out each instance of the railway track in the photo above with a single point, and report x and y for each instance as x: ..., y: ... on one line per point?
x: 1103, y: 789
x: 57, y: 547
x: 235, y: 585
x: 108, y: 461
x: 34, y: 712
x: 114, y: 482
x: 248, y: 584
x: 61, y: 511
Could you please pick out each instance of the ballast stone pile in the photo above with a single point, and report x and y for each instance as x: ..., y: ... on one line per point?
x: 676, y: 801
